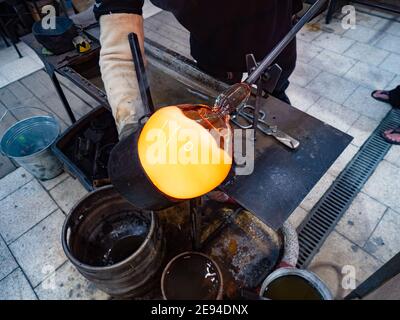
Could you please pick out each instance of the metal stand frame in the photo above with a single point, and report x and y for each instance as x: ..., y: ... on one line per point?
x: 196, y: 209
x: 52, y: 74
x: 195, y: 222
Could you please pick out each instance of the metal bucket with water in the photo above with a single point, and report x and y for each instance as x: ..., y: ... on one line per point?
x: 28, y: 142
x: 294, y: 284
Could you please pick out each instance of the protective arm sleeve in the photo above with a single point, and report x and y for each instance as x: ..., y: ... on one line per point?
x: 117, y: 68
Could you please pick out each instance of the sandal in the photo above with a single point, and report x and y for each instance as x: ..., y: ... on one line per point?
x: 389, y: 99
x: 386, y: 136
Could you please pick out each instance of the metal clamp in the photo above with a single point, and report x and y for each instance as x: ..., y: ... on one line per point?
x: 263, y: 126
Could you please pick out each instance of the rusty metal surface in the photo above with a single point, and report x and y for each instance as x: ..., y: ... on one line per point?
x: 246, y: 249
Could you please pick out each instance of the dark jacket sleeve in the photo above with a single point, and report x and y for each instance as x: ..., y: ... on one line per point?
x: 297, y: 6
x: 117, y: 6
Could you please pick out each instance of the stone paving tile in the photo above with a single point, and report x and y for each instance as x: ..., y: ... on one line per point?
x: 50, y: 184
x: 339, y: 92
x: 6, y: 166
x: 16, y: 287
x: 306, y: 51
x: 335, y: 26
x: 68, y: 284
x: 332, y: 62
x: 362, y: 102
x: 336, y: 253
x: 36, y: 58
x: 363, y: 17
x: 25, y: 49
x: 68, y: 193
x: 389, y: 26
x: 3, y: 81
x: 301, y: 98
x: 303, y: 74
x: 367, y: 20
x: 32, y: 54
x: 389, y: 42
x: 297, y: 217
x: 19, y: 68
x: 393, y: 155
x: 383, y: 185
x: 362, y: 34
x: 393, y: 84
x: 343, y: 160
x: 333, y: 42
x: 149, y: 9
x: 40, y: 248
x: 367, y: 53
x: 392, y: 63
x: 316, y: 193
x: 361, y: 219
x: 362, y: 129
x: 385, y: 240
x: 309, y: 32
x: 7, y: 55
x: 369, y: 76
x: 7, y: 261
x: 383, y: 15
x: 24, y: 208
x: 334, y: 114
x: 14, y: 181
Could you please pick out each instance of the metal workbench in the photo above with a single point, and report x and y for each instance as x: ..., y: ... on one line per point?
x: 282, y: 177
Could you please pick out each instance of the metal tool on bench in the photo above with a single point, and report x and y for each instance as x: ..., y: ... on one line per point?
x: 247, y: 112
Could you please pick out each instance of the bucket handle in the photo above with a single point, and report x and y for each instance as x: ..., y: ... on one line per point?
x: 16, y: 108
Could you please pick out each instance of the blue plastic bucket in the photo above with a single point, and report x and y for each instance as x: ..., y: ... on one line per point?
x: 29, y: 142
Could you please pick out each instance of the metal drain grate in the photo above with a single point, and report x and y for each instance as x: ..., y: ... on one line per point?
x: 324, y: 216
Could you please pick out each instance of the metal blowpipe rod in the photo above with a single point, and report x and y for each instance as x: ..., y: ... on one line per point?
x: 270, y: 58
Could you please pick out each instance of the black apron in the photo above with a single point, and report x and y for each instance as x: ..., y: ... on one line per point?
x: 222, y: 32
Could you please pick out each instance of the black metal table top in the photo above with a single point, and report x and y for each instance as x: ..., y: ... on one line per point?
x: 282, y: 177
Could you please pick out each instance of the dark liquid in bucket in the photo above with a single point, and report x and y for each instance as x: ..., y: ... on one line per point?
x: 291, y: 288
x: 122, y: 249
x: 192, y: 277
x: 113, y: 239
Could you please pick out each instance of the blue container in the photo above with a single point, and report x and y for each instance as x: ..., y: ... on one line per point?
x: 29, y: 142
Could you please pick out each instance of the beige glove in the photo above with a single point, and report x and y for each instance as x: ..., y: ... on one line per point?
x: 117, y: 68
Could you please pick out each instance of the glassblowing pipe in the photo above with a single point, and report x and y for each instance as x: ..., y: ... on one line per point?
x: 229, y: 100
x: 270, y: 58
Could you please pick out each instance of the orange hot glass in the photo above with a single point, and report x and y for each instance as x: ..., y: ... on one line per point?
x: 186, y: 150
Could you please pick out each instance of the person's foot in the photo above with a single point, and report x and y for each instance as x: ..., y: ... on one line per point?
x: 392, y: 136
x: 387, y: 96
x: 381, y: 95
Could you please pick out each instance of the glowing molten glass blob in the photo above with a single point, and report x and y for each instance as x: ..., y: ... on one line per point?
x: 186, y: 150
